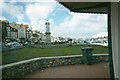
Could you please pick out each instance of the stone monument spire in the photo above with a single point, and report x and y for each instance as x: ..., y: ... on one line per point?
x: 47, y: 27
x: 47, y: 33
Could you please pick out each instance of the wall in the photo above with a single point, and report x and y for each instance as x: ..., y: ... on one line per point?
x: 119, y: 40
x: 0, y: 48
x: 19, y: 69
x: 115, y: 41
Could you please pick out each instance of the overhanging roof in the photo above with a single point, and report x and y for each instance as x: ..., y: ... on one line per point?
x: 87, y: 7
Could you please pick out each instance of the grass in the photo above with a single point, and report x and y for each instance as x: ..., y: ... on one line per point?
x: 28, y: 53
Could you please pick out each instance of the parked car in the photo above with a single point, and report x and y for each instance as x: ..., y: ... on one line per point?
x: 13, y: 45
x: 16, y: 44
x: 25, y: 43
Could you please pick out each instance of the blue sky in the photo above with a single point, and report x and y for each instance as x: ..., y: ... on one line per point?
x: 63, y: 22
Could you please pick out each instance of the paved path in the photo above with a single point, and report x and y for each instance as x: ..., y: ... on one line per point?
x: 99, y: 70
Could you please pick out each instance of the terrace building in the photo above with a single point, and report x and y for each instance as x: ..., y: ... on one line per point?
x: 28, y: 34
x: 3, y: 27
x: 18, y: 31
x: 13, y: 31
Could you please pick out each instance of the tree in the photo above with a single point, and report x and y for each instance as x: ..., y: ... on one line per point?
x: 70, y: 40
x: 35, y: 35
x: 61, y: 39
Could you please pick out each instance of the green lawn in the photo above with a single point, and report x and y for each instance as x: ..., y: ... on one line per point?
x: 28, y: 53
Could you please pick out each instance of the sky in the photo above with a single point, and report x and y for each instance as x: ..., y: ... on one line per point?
x: 62, y: 22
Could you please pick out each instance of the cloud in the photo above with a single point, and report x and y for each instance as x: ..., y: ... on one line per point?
x: 1, y: 6
x: 13, y: 10
x: 38, y: 13
x: 2, y: 18
x: 39, y: 10
x: 1, y: 1
x: 100, y: 34
x: 74, y: 25
x: 30, y: 0
x: 81, y: 25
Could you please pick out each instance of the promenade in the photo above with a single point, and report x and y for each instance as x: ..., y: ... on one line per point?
x: 98, y: 70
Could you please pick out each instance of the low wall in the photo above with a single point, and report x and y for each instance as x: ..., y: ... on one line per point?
x: 49, y: 45
x: 19, y: 69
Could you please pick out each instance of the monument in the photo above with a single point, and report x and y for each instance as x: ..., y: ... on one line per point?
x: 47, y: 33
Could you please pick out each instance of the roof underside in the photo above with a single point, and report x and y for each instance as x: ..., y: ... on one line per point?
x: 87, y: 7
